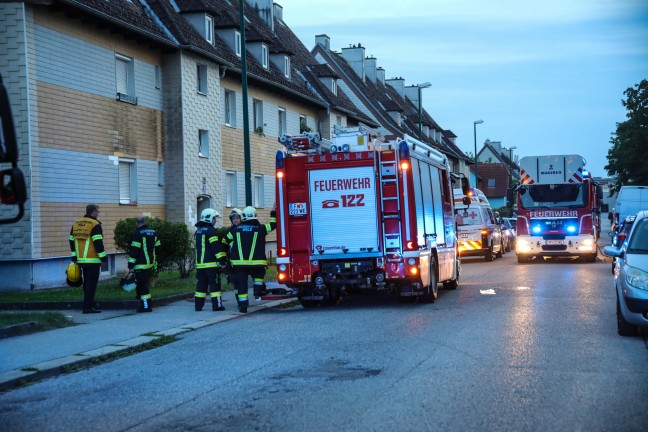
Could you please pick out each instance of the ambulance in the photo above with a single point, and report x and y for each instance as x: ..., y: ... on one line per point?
x: 479, y: 229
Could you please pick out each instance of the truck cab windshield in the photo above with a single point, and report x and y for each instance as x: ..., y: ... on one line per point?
x: 554, y: 195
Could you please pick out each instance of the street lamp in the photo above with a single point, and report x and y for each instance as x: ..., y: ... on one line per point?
x: 420, y: 87
x: 475, y: 123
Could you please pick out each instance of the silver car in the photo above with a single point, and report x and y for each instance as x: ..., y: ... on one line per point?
x: 631, y: 277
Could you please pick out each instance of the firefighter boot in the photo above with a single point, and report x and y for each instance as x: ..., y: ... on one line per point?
x: 243, y: 302
x: 217, y: 302
x: 145, y: 305
x: 199, y: 302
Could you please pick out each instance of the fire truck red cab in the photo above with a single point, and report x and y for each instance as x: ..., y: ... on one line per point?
x: 356, y: 214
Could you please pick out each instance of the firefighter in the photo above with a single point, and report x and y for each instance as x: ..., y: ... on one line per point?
x: 247, y: 254
x: 235, y: 219
x: 210, y: 259
x: 87, y: 249
x: 142, y: 259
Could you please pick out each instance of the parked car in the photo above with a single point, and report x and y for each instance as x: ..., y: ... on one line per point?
x: 631, y: 277
x: 508, y: 231
x: 620, y: 235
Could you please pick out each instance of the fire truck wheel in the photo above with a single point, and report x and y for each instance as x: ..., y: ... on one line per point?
x: 433, y: 288
x: 522, y: 259
x: 309, y: 303
x: 590, y: 258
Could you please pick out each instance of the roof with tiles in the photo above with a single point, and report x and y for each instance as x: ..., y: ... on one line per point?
x: 131, y: 15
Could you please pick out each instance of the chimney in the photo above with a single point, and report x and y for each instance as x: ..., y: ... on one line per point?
x: 370, y: 68
x: 266, y: 11
x: 278, y: 11
x: 355, y: 57
x: 398, y: 84
x: 324, y: 41
x: 412, y: 93
x: 380, y: 75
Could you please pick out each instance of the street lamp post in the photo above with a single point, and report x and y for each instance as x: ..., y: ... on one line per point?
x: 420, y: 87
x: 475, y: 123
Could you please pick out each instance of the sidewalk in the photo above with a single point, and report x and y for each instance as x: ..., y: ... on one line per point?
x: 45, y: 354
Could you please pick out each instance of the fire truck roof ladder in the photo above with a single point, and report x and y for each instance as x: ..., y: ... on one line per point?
x: 389, y: 191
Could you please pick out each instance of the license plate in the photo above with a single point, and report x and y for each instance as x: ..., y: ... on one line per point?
x: 463, y: 236
x: 554, y: 242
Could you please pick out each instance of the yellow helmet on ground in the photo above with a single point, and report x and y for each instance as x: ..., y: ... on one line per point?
x: 73, y: 275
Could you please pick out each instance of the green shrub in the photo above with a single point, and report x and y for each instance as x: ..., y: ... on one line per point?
x: 175, y: 240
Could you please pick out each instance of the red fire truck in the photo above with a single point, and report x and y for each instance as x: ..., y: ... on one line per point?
x: 558, y: 212
x: 355, y: 213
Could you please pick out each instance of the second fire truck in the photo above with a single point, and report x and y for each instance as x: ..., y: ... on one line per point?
x: 355, y: 213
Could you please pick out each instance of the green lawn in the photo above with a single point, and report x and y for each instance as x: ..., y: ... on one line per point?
x: 46, y: 320
x: 167, y: 283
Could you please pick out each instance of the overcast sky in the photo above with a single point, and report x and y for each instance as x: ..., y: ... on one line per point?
x: 546, y: 76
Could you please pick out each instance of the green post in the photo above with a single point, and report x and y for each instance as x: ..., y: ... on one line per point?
x: 246, y: 120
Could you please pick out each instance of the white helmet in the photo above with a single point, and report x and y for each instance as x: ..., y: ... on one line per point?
x: 249, y: 212
x: 208, y: 215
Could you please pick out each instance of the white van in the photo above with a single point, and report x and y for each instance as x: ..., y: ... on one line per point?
x: 479, y: 230
x: 630, y: 201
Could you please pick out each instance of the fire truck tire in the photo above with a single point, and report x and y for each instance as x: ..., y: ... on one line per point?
x: 590, y: 258
x: 309, y: 303
x: 454, y: 283
x: 522, y: 259
x: 433, y: 288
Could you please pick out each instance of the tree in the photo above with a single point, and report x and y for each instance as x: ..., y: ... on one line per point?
x: 628, y: 156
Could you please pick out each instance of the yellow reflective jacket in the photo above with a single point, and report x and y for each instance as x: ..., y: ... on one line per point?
x: 86, y: 241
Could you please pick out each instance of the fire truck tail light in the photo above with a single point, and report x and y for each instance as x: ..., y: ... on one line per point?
x: 280, y: 174
x: 282, y: 267
x: 484, y: 232
x: 404, y: 165
x: 283, y: 252
x: 281, y: 276
x: 410, y: 245
x: 413, y: 271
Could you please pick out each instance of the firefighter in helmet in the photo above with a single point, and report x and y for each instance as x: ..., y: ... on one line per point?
x: 247, y: 254
x: 142, y: 258
x: 235, y: 218
x: 210, y: 258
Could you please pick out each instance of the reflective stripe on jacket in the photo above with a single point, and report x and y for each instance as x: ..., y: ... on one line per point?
x: 86, y: 241
x: 247, y: 242
x: 143, y: 249
x: 209, y: 247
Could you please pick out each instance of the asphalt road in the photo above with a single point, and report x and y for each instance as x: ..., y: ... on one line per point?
x: 528, y: 347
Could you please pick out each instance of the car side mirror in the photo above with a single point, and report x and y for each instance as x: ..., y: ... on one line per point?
x: 465, y: 185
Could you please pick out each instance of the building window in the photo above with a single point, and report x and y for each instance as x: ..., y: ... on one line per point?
x: 202, y: 78
x: 257, y: 107
x: 338, y: 120
x: 209, y: 29
x: 334, y: 86
x: 491, y: 183
x: 237, y: 43
x: 127, y: 179
x: 287, y: 67
x: 282, y: 120
x: 257, y: 191
x: 264, y: 56
x: 230, y: 189
x: 203, y: 138
x: 230, y: 108
x: 125, y: 78
x: 160, y: 173
x: 303, y: 124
